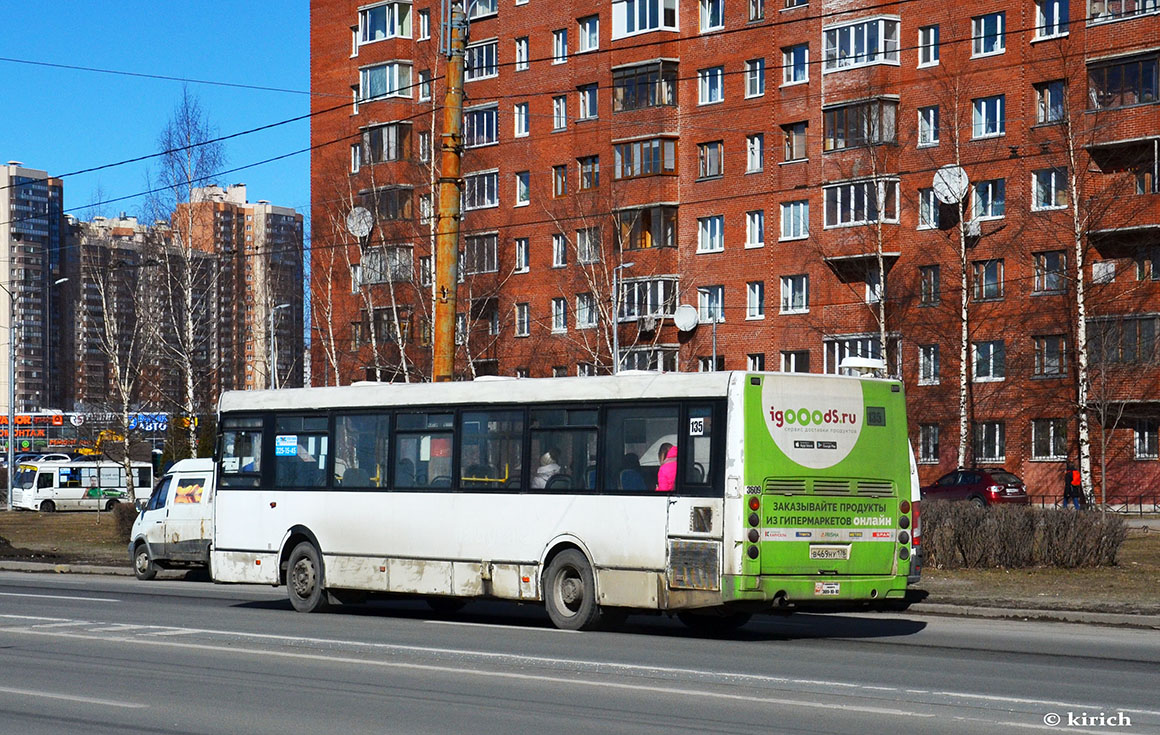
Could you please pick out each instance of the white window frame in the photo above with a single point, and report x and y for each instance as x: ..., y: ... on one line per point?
x: 846, y: 36
x: 795, y: 220
x: 586, y: 316
x: 481, y: 126
x: 928, y: 209
x: 483, y: 186
x: 987, y: 29
x: 396, y: 21
x: 754, y: 153
x: 928, y: 449
x: 355, y: 158
x: 795, y: 65
x: 755, y: 362
x: 522, y: 54
x: 711, y: 85
x: 928, y: 367
x: 1049, y: 99
x: 928, y: 46
x: 847, y: 202
x: 1049, y: 184
x: 520, y: 120
x: 523, y: 189
x: 986, y: 208
x: 559, y: 315
x: 754, y: 78
x: 993, y: 436
x: 711, y: 303
x: 589, y: 103
x: 482, y: 253
x: 424, y: 78
x: 560, y: 46
x: 1146, y: 439
x: 588, y: 33
x: 396, y: 77
x: 522, y: 255
x: 523, y: 320
x: 928, y: 126
x: 989, y: 117
x: 712, y: 15
x: 795, y: 294
x: 559, y: 250
x: 711, y: 233
x: 755, y: 228
x: 1056, y: 430
x: 755, y: 300
x: 633, y: 17
x: 1104, y: 271
x: 424, y: 25
x: 588, y: 245
x: 1052, y: 18
x: 486, y: 66
x: 989, y: 361
x: 560, y: 112
x: 481, y: 9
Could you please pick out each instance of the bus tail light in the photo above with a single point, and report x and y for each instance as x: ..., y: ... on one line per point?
x: 754, y: 502
x: 916, y: 524
x: 753, y: 552
x: 904, y: 507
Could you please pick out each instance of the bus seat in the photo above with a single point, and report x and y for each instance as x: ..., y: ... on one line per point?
x: 441, y: 481
x: 559, y: 482
x: 631, y: 480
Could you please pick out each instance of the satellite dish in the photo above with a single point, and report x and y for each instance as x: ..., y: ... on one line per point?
x: 359, y: 222
x: 685, y: 317
x: 951, y: 184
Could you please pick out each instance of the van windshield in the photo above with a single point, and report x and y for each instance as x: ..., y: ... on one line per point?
x: 25, y: 477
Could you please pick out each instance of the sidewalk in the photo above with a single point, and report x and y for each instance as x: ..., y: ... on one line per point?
x: 922, y: 608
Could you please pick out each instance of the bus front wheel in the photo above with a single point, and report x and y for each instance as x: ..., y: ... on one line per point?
x: 304, y: 580
x: 570, y: 592
x: 47, y: 507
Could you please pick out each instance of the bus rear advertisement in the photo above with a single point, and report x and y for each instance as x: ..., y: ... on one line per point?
x: 695, y: 494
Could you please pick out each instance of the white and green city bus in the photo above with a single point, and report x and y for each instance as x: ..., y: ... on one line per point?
x: 711, y: 495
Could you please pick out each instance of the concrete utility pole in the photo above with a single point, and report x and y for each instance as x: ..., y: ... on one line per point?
x: 450, y: 189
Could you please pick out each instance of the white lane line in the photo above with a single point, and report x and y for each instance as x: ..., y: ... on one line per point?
x: 70, y: 624
x: 169, y: 631
x: 492, y: 625
x: 58, y: 597
x: 72, y: 698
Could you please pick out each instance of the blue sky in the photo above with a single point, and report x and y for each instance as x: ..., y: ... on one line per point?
x: 63, y: 120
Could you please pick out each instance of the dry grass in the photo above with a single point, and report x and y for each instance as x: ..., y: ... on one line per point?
x: 62, y: 537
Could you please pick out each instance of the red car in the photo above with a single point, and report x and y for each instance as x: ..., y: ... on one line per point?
x: 980, y: 486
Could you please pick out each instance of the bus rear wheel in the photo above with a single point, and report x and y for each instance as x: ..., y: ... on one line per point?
x: 110, y: 506
x: 48, y: 507
x: 570, y: 592
x: 304, y: 579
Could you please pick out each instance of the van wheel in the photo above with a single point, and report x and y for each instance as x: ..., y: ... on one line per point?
x: 48, y: 507
x: 143, y: 565
x: 570, y: 592
x: 109, y: 506
x: 304, y: 579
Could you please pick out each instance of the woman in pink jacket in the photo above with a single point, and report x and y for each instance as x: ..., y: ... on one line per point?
x: 667, y: 472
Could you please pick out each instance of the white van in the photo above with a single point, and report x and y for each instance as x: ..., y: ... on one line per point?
x: 176, y: 527
x: 76, y: 484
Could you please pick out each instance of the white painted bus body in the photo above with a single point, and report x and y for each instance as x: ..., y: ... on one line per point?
x: 77, y: 485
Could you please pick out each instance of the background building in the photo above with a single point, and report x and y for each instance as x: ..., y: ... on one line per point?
x: 774, y: 167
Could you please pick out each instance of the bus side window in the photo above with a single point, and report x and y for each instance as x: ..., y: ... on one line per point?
x: 360, y: 450
x: 301, y: 452
x: 44, y: 481
x: 698, y: 456
x: 634, y: 439
x: 422, y: 454
x: 491, y: 447
x: 563, y: 449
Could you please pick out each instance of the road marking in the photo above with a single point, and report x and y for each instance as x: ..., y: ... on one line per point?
x: 73, y: 698
x: 492, y: 625
x: 58, y: 597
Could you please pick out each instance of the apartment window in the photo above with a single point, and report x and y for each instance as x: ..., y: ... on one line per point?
x: 1130, y: 82
x: 757, y: 9
x: 588, y: 245
x: 1050, y: 272
x: 559, y: 250
x: 1050, y: 354
x: 522, y: 53
x: 860, y: 43
x: 523, y: 320
x: 710, y: 300
x: 560, y: 180
x: 648, y: 297
x: 710, y: 364
x: 1050, y: 98
x: 424, y: 25
x: 425, y: 85
x: 520, y: 118
x: 754, y: 153
x: 1104, y: 271
x: 712, y: 15
x: 990, y: 363
x: 424, y: 146
x: 928, y: 46
x: 587, y: 95
x: 928, y: 125
x: 755, y: 228
x: 560, y: 46
x: 990, y: 441
x: 874, y: 287
x: 559, y: 371
x: 389, y: 20
x: 647, y: 85
x: 585, y: 311
x: 928, y: 208
x: 795, y: 140
x: 522, y: 258
x: 710, y: 85
x: 389, y: 203
x: 795, y: 294
x: 989, y: 116
x: 795, y: 220
x: 755, y: 77
x: 710, y: 157
x: 1147, y: 438
x: 1049, y: 189
x: 355, y: 158
x: 990, y: 200
x: 645, y: 158
x: 559, y: 112
x: 480, y: 126
x: 988, y: 282
x: 589, y: 32
x: 929, y: 287
x: 651, y: 227
x: 755, y: 362
x: 861, y: 202
x: 1049, y: 439
x: 392, y: 264
x: 384, y: 80
x: 711, y: 234
x: 755, y: 300
x: 589, y: 172
x: 859, y: 124
x: 1108, y: 10
x: 1051, y: 17
x: 795, y: 64
x: 987, y: 34
x: 523, y: 188
x: 559, y: 315
x: 481, y: 190
x: 795, y: 361
x: 1123, y: 340
x: 481, y: 254
x: 424, y: 208
x: 928, y: 443
x: 630, y: 17
x: 480, y: 60
x: 839, y: 348
x: 480, y: 8
x: 928, y: 364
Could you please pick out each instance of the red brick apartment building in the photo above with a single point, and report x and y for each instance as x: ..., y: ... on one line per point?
x: 770, y: 162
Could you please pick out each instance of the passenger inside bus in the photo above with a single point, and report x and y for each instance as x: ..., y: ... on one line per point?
x: 667, y: 472
x: 549, y: 468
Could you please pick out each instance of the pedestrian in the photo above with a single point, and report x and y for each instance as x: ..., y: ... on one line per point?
x: 1072, y: 486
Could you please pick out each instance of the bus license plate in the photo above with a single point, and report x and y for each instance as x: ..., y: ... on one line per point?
x: 829, y: 553
x: 826, y: 589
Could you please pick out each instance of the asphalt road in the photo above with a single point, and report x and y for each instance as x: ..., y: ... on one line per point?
x: 105, y: 655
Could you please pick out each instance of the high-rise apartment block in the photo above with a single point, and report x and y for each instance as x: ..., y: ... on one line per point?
x: 774, y: 166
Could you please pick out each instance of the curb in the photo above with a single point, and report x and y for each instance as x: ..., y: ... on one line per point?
x: 58, y: 568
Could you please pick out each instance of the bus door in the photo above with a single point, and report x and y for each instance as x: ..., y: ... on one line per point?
x: 46, y: 487
x: 694, y: 523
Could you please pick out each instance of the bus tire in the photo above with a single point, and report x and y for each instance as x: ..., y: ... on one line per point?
x: 48, y: 507
x: 305, y: 581
x: 711, y: 622
x: 143, y: 565
x: 110, y: 506
x: 570, y: 592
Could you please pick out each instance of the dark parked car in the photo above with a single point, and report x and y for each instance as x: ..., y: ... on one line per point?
x: 980, y: 486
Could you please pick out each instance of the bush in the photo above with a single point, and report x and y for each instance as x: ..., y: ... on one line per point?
x: 124, y: 514
x: 963, y: 535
